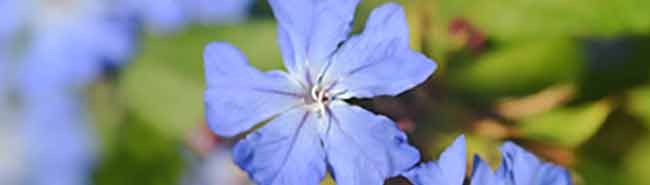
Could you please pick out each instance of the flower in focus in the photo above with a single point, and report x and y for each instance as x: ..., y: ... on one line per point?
x: 519, y: 167
x: 448, y: 170
x: 311, y: 127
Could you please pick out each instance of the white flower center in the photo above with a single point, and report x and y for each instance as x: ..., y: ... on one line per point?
x: 317, y: 98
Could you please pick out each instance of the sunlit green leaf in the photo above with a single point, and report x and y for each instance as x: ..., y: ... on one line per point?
x: 639, y: 103
x: 163, y: 97
x: 516, y: 19
x: 486, y: 148
x: 568, y: 126
x: 637, y: 163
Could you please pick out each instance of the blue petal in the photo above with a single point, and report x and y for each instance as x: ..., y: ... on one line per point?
x: 482, y: 173
x: 4, y: 77
x: 287, y: 150
x: 550, y: 174
x: 239, y: 96
x: 379, y: 61
x: 518, y: 164
x: 448, y: 170
x: 11, y: 19
x: 364, y: 148
x: 309, y: 31
x: 522, y: 167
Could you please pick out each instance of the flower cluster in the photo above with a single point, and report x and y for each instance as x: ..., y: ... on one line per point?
x: 518, y: 167
x: 310, y: 129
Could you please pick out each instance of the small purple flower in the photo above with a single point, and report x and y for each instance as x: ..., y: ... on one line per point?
x: 311, y: 128
x: 448, y: 170
x: 519, y: 167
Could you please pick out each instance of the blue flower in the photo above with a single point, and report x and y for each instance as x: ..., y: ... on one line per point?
x: 11, y: 19
x: 76, y: 38
x: 519, y: 167
x: 166, y: 16
x: 311, y: 127
x: 4, y: 94
x: 218, y: 11
x: 68, y: 42
x: 448, y: 170
x: 58, y: 144
x: 158, y: 16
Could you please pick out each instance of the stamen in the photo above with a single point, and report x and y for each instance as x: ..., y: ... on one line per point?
x: 314, y: 93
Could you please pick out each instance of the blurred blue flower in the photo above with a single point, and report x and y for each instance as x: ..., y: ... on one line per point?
x: 83, y: 32
x: 67, y: 44
x: 448, y: 170
x: 519, y: 167
x: 311, y: 127
x: 218, y: 11
x: 4, y: 94
x: 58, y: 144
x: 158, y: 16
x: 166, y: 16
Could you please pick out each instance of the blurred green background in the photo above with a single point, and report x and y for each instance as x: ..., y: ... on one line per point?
x: 566, y: 79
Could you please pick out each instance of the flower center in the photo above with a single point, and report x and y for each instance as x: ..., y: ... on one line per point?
x: 318, y: 97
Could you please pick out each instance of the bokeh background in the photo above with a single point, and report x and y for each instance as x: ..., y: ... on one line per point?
x: 567, y: 79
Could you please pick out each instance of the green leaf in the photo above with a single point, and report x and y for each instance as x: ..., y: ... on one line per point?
x: 517, y: 19
x: 486, y: 148
x: 142, y: 155
x: 107, y: 111
x: 163, y: 97
x: 596, y: 171
x: 184, y: 51
x: 519, y: 69
x: 637, y: 163
x: 638, y: 103
x: 567, y: 126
